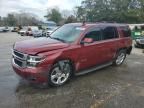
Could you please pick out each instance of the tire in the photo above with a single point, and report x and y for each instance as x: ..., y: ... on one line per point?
x: 60, y: 73
x: 120, y: 57
x: 136, y: 46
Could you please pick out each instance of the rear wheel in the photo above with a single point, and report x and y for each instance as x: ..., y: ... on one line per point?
x: 135, y: 45
x: 60, y: 73
x: 121, y: 55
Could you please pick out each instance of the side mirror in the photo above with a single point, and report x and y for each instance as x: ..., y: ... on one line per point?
x: 87, y: 40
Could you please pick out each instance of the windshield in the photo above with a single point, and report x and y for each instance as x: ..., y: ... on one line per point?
x: 67, y: 33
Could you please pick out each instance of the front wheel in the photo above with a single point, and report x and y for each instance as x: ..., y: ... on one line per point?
x: 121, y: 55
x: 60, y: 73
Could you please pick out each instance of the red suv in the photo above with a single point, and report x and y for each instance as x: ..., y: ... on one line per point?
x: 73, y: 49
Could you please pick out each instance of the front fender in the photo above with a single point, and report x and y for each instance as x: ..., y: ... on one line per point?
x: 49, y: 57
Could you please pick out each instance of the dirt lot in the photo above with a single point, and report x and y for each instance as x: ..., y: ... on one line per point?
x: 111, y: 87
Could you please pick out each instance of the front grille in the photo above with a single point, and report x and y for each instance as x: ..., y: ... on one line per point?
x: 19, y: 63
x: 19, y: 58
x: 142, y: 41
x: 18, y: 54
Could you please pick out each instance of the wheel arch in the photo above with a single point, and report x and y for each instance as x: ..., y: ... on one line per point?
x: 69, y: 59
x: 128, y: 49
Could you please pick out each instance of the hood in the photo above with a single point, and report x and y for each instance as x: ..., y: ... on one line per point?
x: 140, y: 37
x: 35, y: 46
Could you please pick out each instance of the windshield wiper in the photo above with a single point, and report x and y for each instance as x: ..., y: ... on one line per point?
x: 58, y: 39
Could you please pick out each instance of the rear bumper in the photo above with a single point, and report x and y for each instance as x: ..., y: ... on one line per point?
x: 33, y: 75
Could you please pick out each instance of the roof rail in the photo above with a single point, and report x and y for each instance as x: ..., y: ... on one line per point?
x: 106, y: 22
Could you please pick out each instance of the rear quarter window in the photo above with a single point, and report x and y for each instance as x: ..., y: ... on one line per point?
x: 110, y: 33
x: 126, y: 31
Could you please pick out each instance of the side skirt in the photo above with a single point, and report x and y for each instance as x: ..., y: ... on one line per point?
x: 93, y: 69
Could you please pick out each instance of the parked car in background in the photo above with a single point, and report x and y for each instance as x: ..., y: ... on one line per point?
x: 15, y: 29
x: 138, y: 31
x: 46, y: 24
x: 31, y: 30
x: 51, y: 29
x: 73, y: 49
x: 23, y: 31
x: 4, y: 29
x: 19, y: 28
x: 37, y: 33
x: 139, y: 42
x: 138, y: 35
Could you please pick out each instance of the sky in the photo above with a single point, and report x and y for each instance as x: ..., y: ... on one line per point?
x: 37, y: 7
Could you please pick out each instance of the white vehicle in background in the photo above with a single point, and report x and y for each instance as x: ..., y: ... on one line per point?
x: 37, y: 33
x: 44, y: 33
x: 49, y: 30
x: 48, y: 27
x: 31, y: 30
x: 28, y: 31
x: 23, y: 31
x: 4, y: 29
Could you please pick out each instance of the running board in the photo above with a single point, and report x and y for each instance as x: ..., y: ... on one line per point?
x: 93, y: 69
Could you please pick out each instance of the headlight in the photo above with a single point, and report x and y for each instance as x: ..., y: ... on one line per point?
x: 32, y: 61
x: 137, y: 40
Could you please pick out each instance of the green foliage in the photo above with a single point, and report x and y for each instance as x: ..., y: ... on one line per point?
x: 70, y: 19
x: 24, y: 19
x: 11, y: 21
x: 126, y: 11
x: 54, y: 15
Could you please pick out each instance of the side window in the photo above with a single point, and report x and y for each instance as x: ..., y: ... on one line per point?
x: 126, y: 31
x: 94, y: 34
x: 109, y: 33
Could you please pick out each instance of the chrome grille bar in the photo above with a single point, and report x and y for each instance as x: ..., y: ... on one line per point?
x: 19, y: 58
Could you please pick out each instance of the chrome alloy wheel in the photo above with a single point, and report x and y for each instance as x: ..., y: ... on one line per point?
x: 60, y: 73
x: 120, y: 58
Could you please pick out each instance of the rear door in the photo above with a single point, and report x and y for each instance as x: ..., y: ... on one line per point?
x: 109, y: 43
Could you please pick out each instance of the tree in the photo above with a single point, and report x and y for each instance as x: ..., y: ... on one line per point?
x: 24, y: 19
x: 11, y: 20
x: 70, y: 19
x: 54, y: 15
x: 81, y: 13
x: 128, y: 11
x: 66, y: 13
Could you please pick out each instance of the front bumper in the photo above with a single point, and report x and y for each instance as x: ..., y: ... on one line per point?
x: 33, y: 75
x: 139, y: 45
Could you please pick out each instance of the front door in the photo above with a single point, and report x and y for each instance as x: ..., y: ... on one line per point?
x: 90, y: 53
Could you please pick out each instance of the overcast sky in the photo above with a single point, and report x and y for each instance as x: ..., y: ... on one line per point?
x: 37, y: 7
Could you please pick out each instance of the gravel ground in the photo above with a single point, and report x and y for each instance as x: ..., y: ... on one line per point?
x: 111, y: 87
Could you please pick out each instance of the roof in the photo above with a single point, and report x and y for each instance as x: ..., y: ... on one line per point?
x: 98, y: 24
